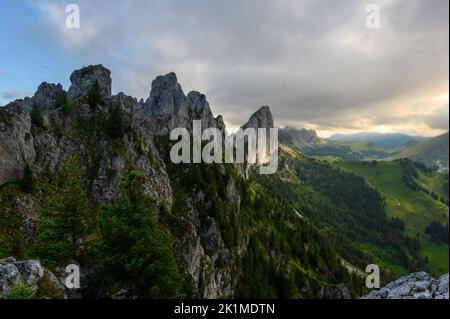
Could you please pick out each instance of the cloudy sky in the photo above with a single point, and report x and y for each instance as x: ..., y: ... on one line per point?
x: 315, y: 62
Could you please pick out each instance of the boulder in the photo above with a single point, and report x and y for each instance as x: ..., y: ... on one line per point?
x: 419, y: 285
x: 29, y: 273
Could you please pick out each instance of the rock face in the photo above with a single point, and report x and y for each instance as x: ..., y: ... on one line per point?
x: 170, y: 108
x: 74, y: 134
x: 29, y: 273
x: 16, y: 140
x: 260, y: 119
x: 418, y: 285
x: 83, y: 79
x: 167, y: 104
x: 299, y: 138
x: 201, y: 111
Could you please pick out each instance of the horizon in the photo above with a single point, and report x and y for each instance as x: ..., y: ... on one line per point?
x: 332, y: 73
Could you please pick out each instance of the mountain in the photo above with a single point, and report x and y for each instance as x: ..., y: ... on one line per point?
x: 299, y: 139
x: 415, y: 195
x: 384, y: 140
x: 432, y: 152
x: 310, y: 144
x: 86, y: 177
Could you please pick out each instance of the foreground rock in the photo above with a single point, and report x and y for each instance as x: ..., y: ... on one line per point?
x: 31, y: 274
x: 418, y: 285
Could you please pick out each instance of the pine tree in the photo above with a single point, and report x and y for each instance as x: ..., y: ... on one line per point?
x: 66, y: 218
x: 115, y: 127
x: 136, y: 253
x: 36, y: 116
x: 94, y: 96
x: 63, y: 103
x: 27, y: 183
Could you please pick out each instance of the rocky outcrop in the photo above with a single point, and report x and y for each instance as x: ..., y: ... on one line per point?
x: 418, y: 285
x: 260, y: 119
x: 299, y: 138
x: 201, y: 111
x: 74, y: 133
x: 31, y: 274
x: 16, y: 140
x: 167, y: 105
x: 83, y: 79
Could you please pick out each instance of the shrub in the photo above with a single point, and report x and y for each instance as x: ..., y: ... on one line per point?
x: 21, y: 291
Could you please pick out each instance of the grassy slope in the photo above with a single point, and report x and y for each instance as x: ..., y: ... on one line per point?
x: 427, y: 151
x: 415, y: 208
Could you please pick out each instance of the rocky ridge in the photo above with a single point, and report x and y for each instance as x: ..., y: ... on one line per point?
x: 73, y: 133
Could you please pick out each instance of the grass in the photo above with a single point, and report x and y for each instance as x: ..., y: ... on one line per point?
x: 415, y: 208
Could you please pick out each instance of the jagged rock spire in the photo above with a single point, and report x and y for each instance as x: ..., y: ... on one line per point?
x: 83, y: 79
x: 260, y: 119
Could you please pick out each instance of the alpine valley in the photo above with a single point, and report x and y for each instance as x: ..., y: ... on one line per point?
x: 86, y: 179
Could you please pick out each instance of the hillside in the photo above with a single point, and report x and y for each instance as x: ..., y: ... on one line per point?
x: 432, y: 152
x: 416, y: 208
x: 86, y: 177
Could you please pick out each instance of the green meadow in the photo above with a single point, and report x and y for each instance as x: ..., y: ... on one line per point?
x: 415, y: 208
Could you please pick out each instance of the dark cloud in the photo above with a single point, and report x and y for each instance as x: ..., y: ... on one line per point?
x: 313, y: 61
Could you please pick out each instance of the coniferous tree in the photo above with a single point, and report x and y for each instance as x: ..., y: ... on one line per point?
x: 63, y: 103
x: 94, y: 96
x: 135, y: 252
x: 66, y: 218
x: 115, y: 127
x: 36, y: 116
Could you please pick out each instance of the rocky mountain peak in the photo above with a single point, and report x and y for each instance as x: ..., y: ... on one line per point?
x: 83, y: 79
x: 201, y: 111
x: 260, y: 119
x: 198, y: 102
x: 46, y: 95
x: 167, y: 104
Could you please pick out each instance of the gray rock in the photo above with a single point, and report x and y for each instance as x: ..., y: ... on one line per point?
x: 30, y: 270
x: 414, y: 286
x: 16, y: 141
x: 201, y: 111
x: 9, y: 276
x: 260, y: 119
x: 167, y: 105
x: 83, y: 79
x: 46, y: 96
x: 26, y: 272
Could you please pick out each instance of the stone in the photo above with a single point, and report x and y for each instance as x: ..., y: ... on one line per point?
x: 83, y: 79
x: 260, y: 119
x: 418, y: 285
x: 167, y: 105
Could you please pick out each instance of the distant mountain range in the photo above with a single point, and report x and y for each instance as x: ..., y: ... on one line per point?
x: 370, y: 146
x: 432, y: 152
x: 383, y: 140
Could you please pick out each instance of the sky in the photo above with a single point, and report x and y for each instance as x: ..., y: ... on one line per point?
x: 314, y: 62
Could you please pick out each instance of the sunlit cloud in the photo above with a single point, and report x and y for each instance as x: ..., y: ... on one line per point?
x: 314, y: 62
